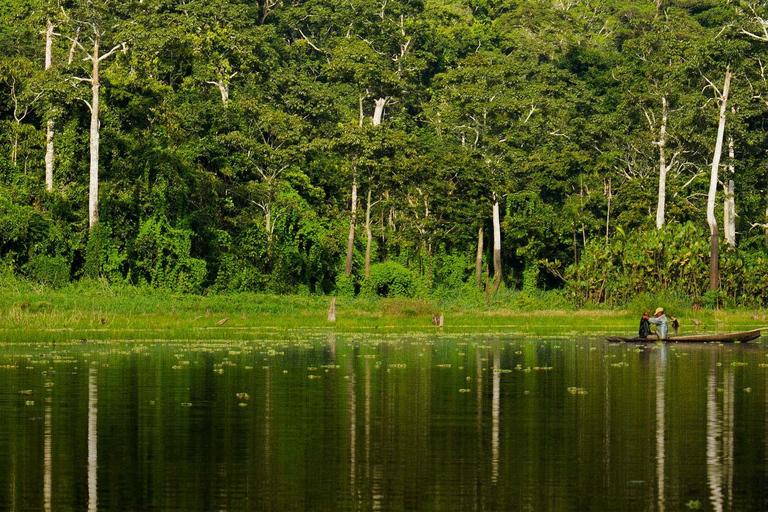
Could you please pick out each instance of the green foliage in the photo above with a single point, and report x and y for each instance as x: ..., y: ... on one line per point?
x: 391, y: 280
x: 103, y: 256
x: 674, y: 260
x: 345, y: 286
x: 163, y: 257
x: 49, y: 270
x: 232, y: 132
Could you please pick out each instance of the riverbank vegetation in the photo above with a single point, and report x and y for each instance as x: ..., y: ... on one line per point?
x: 96, y: 310
x: 462, y: 153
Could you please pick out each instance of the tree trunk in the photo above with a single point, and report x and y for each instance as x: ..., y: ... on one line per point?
x: 93, y: 191
x: 729, y: 214
x: 661, y: 205
x: 360, y: 107
x: 496, y: 246
x: 351, y: 240
x: 766, y: 224
x: 479, y: 258
x: 609, y: 193
x: 49, y: 125
x: 368, y: 236
x: 378, y: 113
x: 729, y: 203
x: 714, y: 256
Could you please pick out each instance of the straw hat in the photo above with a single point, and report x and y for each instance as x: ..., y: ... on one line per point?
x: 658, y: 310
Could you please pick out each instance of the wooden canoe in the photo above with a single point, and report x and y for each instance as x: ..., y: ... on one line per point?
x: 728, y: 337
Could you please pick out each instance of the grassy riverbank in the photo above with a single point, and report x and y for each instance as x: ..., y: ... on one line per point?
x: 96, y: 310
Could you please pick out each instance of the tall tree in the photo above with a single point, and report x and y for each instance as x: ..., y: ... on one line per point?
x: 96, y: 24
x: 714, y: 255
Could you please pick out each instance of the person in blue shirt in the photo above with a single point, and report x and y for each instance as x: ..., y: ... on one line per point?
x: 659, y: 319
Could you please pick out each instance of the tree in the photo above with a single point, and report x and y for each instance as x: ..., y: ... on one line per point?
x: 714, y: 255
x: 95, y: 23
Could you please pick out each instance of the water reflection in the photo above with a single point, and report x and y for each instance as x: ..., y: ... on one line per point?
x: 720, y: 438
x: 93, y: 440
x: 47, y: 463
x: 661, y: 386
x: 495, y: 409
x: 399, y: 424
x: 352, y: 414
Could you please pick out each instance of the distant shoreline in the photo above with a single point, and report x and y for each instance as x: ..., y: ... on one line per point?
x: 96, y: 310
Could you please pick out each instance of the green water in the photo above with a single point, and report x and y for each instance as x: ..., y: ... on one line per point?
x: 390, y: 422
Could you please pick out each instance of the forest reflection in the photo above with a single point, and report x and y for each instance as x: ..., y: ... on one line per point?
x: 421, y: 423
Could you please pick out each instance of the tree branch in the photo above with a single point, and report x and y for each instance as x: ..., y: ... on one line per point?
x: 113, y: 50
x: 310, y: 42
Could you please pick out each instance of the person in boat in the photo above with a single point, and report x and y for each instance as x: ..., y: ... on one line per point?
x: 659, y: 319
x: 645, y: 326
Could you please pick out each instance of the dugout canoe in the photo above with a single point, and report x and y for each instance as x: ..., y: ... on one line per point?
x: 727, y: 337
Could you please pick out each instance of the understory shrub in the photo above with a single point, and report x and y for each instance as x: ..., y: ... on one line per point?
x: 675, y: 261
x: 163, y: 257
x: 391, y: 279
x: 50, y: 270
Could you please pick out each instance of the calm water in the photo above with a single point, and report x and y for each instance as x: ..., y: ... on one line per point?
x: 322, y: 422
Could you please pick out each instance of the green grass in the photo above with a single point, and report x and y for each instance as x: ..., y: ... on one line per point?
x: 97, y: 311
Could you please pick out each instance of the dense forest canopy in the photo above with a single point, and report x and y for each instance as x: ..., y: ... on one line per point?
x: 387, y: 146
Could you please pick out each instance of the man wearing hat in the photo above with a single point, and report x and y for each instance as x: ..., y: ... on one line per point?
x: 659, y: 319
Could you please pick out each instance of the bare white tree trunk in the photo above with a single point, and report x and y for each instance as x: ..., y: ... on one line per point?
x: 74, y: 46
x: 360, y: 109
x: 766, y: 224
x: 352, y: 220
x: 714, y: 255
x: 496, y: 245
x: 609, y: 195
x: 479, y: 258
x: 729, y: 213
x: 49, y: 125
x: 93, y: 190
x: 223, y: 85
x: 378, y: 113
x: 661, y: 206
x: 368, y: 235
x: 729, y: 202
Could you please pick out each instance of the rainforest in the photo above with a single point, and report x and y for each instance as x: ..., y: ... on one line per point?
x: 594, y: 150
